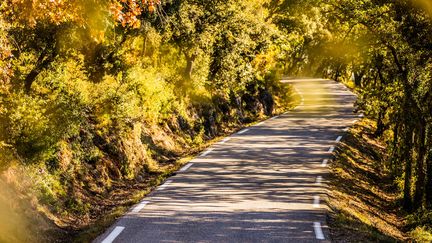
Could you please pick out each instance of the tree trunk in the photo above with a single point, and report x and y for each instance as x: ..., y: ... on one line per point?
x: 189, y: 65
x: 420, y: 182
x: 381, y: 127
x: 407, y: 200
x: 395, y: 168
x: 407, y: 149
x: 428, y: 189
x: 40, y: 65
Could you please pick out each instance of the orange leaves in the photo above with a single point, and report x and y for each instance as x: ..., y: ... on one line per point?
x: 127, y: 12
x: 30, y: 12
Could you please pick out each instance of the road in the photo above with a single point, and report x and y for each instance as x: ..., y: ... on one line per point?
x: 265, y: 183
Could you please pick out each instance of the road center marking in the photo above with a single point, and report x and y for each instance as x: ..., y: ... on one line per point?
x: 318, y: 231
x: 316, y: 202
x: 324, y: 163
x: 243, y: 131
x: 331, y: 150
x: 116, y: 232
x: 167, y: 183
x: 338, y: 139
x: 319, y: 180
x: 186, y: 167
x: 206, y: 152
x: 140, y: 206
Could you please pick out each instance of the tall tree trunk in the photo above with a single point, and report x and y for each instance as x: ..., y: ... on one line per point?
x: 428, y: 189
x: 394, y: 159
x: 407, y: 144
x: 358, y: 76
x: 407, y: 202
x: 421, y: 154
x: 381, y: 127
x: 190, y: 59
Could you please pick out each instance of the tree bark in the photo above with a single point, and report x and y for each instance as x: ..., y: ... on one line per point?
x: 420, y: 182
x: 428, y: 186
x: 190, y: 59
x: 381, y: 127
x: 407, y: 201
x: 43, y: 62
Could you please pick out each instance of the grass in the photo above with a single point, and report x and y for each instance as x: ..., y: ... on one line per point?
x: 362, y: 198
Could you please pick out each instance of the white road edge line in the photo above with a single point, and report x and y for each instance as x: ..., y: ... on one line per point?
x: 167, y: 183
x: 324, y: 163
x: 224, y: 140
x: 316, y: 202
x: 116, y: 232
x: 140, y: 206
x: 318, y: 231
x: 346, y: 129
x: 361, y: 115
x: 338, y: 139
x: 355, y: 121
x: 186, y: 167
x: 206, y: 152
x: 261, y: 123
x: 331, y: 150
x: 319, y: 180
x: 275, y: 117
x: 243, y: 131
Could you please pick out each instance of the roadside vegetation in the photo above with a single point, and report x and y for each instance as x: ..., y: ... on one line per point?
x: 101, y: 99
x: 363, y: 199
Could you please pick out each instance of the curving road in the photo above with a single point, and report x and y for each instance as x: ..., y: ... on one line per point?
x: 263, y: 184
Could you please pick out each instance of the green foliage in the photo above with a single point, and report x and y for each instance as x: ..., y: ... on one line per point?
x: 421, y: 234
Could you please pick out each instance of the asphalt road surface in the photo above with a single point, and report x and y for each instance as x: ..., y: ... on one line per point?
x: 262, y: 184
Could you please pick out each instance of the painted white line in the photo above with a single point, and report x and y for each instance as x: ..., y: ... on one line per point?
x: 361, y: 115
x: 355, y: 121
x: 140, y: 206
x: 243, y: 131
x: 324, y: 163
x: 275, y: 117
x: 318, y: 180
x: 261, y: 123
x: 346, y: 129
x: 167, y: 183
x: 116, y: 232
x: 316, y: 202
x: 318, y: 231
x: 331, y: 150
x: 206, y: 152
x: 186, y: 167
x: 338, y: 139
x: 224, y: 140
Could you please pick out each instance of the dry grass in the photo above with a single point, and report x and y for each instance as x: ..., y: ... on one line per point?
x: 362, y: 198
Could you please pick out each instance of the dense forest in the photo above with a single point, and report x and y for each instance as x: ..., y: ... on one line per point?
x: 96, y: 94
